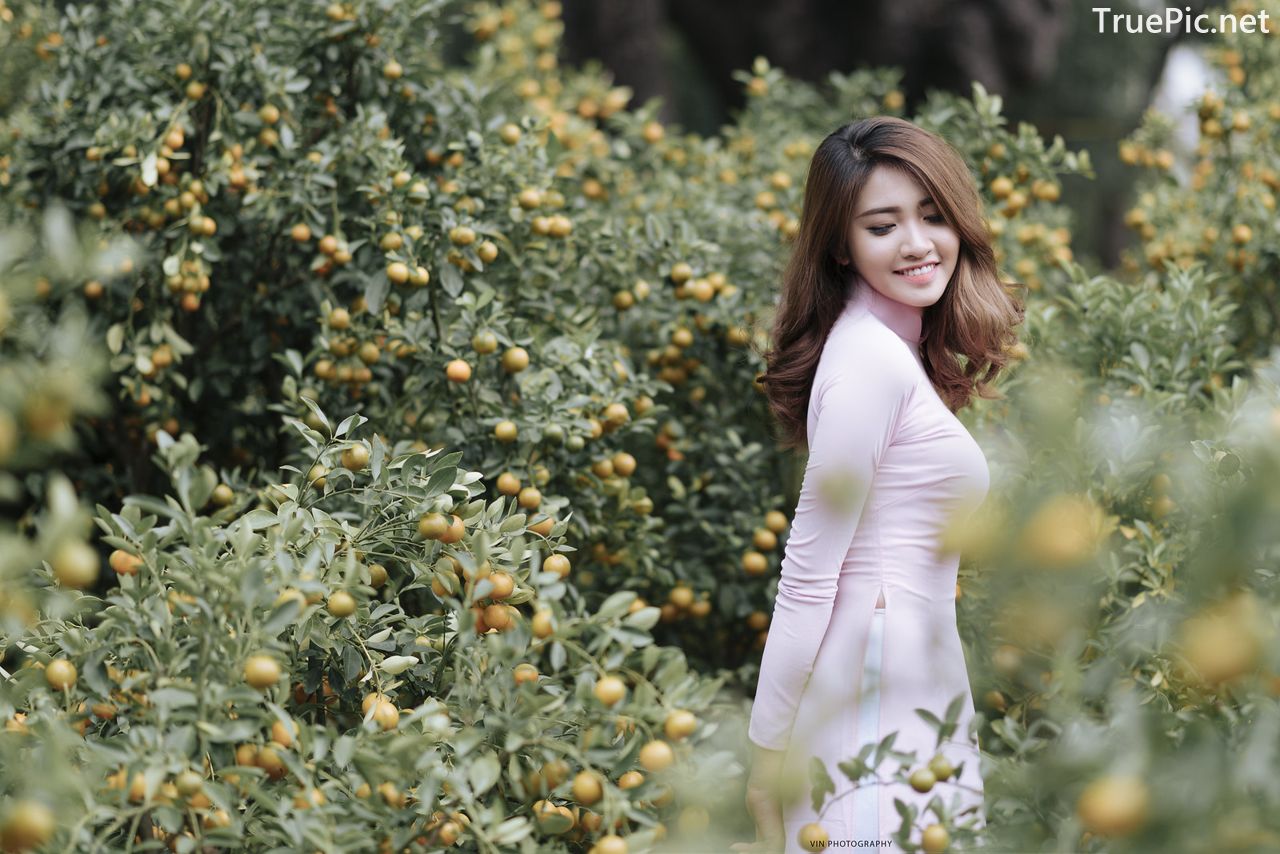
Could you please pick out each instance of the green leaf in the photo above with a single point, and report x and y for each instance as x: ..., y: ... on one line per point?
x: 451, y: 280
x: 314, y: 407
x: 630, y: 637
x: 149, y: 175
x: 557, y: 657
x: 350, y: 662
x: 351, y: 422
x: 172, y: 698
x: 343, y: 749
x: 954, y: 707
x: 257, y: 520
x: 251, y: 584
x: 153, y: 505
x: 885, y: 745
x: 929, y: 717
x: 282, y: 616
x: 375, y: 294
x: 1140, y: 355
x: 511, y: 831
x: 397, y: 664
x: 441, y: 479
x: 650, y: 658
x: 854, y: 769
x: 820, y: 782
x: 644, y: 619
x: 60, y: 239
x: 513, y: 523
x: 483, y: 772
x: 616, y: 605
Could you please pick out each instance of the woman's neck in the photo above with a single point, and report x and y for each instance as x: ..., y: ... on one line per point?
x: 905, y: 320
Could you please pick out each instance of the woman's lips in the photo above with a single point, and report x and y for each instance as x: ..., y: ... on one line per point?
x: 923, y: 277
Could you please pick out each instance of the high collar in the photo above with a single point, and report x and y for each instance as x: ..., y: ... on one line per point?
x: 905, y: 320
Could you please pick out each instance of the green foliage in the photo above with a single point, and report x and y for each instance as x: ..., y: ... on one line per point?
x: 1167, y: 338
x: 162, y: 667
x: 50, y: 369
x: 582, y: 208
x: 403, y: 229
x: 1217, y: 203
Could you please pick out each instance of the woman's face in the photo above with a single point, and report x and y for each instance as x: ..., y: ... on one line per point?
x: 897, y: 229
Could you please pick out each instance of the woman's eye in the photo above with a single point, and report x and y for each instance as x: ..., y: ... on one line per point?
x: 879, y: 230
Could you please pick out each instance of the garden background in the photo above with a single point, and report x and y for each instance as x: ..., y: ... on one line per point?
x: 384, y: 465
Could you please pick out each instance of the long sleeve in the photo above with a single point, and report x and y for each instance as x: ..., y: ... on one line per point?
x: 857, y: 409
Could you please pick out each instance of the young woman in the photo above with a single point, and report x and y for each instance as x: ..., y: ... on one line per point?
x: 891, y: 318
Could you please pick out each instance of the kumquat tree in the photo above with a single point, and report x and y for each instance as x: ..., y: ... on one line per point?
x: 386, y: 467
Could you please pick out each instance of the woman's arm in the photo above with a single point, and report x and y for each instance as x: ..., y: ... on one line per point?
x: 857, y: 411
x: 763, y: 803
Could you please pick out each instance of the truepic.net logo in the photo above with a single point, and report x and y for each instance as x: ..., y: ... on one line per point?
x: 1173, y: 20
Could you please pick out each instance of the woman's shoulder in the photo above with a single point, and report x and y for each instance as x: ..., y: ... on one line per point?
x: 857, y: 326
x: 858, y: 336
x: 860, y: 352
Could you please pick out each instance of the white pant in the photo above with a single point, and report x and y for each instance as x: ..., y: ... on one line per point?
x: 866, y: 812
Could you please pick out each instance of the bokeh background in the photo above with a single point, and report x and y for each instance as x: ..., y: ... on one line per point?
x: 1048, y: 59
x: 384, y: 463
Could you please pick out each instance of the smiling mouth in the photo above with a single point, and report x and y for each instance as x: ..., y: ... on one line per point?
x: 922, y: 270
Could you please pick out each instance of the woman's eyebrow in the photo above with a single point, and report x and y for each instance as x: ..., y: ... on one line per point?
x: 895, y: 209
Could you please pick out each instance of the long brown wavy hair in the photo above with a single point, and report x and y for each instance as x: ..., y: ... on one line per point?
x: 964, y: 334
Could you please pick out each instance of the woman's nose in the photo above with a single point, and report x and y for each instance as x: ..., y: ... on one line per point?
x: 914, y: 241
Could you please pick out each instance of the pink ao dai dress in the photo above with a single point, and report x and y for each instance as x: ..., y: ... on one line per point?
x: 888, y: 463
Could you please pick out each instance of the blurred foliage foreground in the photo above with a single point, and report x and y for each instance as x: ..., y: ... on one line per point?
x: 411, y: 378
